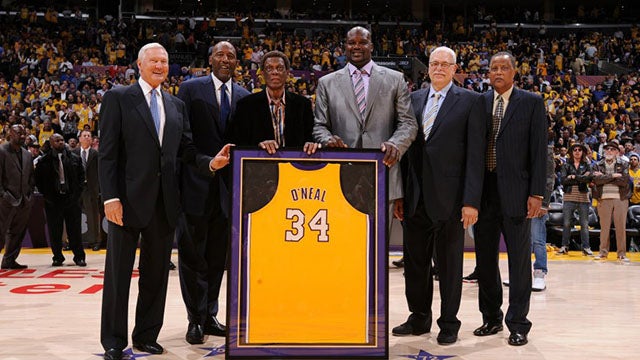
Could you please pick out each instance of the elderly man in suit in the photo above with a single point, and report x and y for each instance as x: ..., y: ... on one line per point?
x: 442, y: 171
x: 364, y: 105
x: 202, y: 234
x: 144, y: 132
x: 89, y: 199
x: 16, y: 190
x: 513, y: 188
x: 274, y: 118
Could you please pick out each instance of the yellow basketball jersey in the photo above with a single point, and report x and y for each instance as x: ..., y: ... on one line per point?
x: 308, y: 263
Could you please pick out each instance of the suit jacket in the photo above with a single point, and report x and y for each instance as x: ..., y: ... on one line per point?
x: 521, y: 150
x: 133, y: 166
x: 388, y: 116
x: 199, y: 96
x: 16, y: 179
x: 252, y: 122
x: 46, y: 175
x: 447, y: 168
x: 91, y: 172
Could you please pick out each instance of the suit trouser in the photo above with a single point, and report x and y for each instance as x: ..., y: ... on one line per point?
x: 202, y: 255
x: 67, y: 212
x: 421, y: 236
x: 155, y: 254
x: 91, y: 208
x: 516, y: 231
x: 13, y: 225
x: 615, y: 209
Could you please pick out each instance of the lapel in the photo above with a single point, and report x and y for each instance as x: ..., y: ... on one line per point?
x: 170, y: 122
x: 489, y: 111
x: 375, y: 84
x: 16, y: 161
x: 137, y: 97
x: 511, y: 109
x: 449, y: 102
x: 344, y: 82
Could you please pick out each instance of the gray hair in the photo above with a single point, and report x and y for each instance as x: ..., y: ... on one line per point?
x: 446, y: 50
x: 154, y: 45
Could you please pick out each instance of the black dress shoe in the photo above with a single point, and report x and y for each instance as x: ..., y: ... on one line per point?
x: 415, y: 325
x: 112, y: 354
x: 447, y: 338
x: 80, y: 262
x: 487, y: 329
x: 213, y: 327
x: 195, y: 334
x: 518, y: 339
x: 398, y: 263
x: 150, y: 347
x: 172, y: 266
x: 13, y: 266
x: 57, y: 263
x: 66, y: 248
x: 96, y: 248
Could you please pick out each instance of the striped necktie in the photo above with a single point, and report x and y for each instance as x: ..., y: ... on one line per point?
x: 361, y: 95
x: 155, y: 110
x: 491, y: 148
x: 429, y: 118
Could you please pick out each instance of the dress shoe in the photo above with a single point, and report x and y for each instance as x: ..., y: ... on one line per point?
x: 213, y: 327
x: 518, y: 339
x: 172, y: 266
x: 66, y: 248
x: 398, y: 263
x: 96, y: 248
x: 447, y: 338
x: 415, y: 325
x: 487, y: 329
x: 57, y: 263
x: 150, y: 347
x: 80, y: 262
x: 13, y: 266
x: 112, y: 354
x: 195, y: 334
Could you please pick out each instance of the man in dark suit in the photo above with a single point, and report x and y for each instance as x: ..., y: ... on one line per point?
x: 274, y: 118
x: 442, y: 171
x: 60, y: 179
x: 202, y: 234
x: 513, y: 189
x: 91, y: 190
x: 144, y: 131
x: 16, y: 190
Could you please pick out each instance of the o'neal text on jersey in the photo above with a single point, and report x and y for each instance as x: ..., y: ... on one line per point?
x: 309, y: 193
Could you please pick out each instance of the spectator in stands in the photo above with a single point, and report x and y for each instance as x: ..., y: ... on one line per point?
x: 16, y: 190
x: 634, y: 174
x: 60, y: 178
x: 611, y: 177
x: 575, y: 176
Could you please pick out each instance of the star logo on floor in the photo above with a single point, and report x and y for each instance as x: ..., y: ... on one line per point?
x: 423, y: 355
x: 214, y: 351
x: 129, y: 355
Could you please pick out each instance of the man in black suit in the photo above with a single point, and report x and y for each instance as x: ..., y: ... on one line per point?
x: 274, y: 118
x: 60, y: 179
x: 91, y: 190
x: 16, y: 190
x: 202, y: 234
x: 442, y: 171
x: 513, y: 189
x: 144, y: 131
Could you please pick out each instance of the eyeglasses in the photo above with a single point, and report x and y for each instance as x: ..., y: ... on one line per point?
x: 577, y: 149
x: 436, y: 64
x: 278, y: 69
x: 610, y: 149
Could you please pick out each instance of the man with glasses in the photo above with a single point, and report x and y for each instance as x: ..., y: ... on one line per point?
x: 442, y: 171
x: 274, y: 118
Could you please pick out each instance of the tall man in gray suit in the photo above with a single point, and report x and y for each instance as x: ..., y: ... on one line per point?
x: 16, y: 189
x: 367, y: 106
x: 513, y: 189
x: 202, y: 237
x: 442, y: 172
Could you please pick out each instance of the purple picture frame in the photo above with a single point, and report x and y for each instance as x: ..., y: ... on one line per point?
x: 243, y: 161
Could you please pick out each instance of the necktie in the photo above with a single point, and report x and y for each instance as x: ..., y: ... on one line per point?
x: 491, y: 148
x: 155, y: 110
x: 225, y: 106
x: 84, y: 158
x: 430, y: 116
x: 277, y: 117
x: 361, y: 96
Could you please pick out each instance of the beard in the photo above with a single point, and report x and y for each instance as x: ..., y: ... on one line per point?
x: 609, y: 157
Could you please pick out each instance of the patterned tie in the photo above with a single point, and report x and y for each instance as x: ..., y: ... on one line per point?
x: 430, y: 116
x: 155, y: 110
x: 83, y: 152
x: 491, y: 149
x: 225, y: 107
x: 361, y: 95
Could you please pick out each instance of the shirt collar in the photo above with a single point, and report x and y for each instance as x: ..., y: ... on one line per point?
x: 505, y: 95
x: 146, y: 88
x: 282, y: 100
x: 443, y: 92
x: 367, y: 67
x: 217, y: 83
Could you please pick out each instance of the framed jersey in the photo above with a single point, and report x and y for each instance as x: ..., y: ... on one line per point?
x: 308, y: 274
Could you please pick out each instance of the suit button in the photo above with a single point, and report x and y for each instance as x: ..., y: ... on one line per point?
x: 159, y: 174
